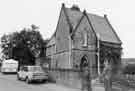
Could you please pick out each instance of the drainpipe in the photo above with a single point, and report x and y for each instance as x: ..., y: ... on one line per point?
x: 98, y: 53
x: 69, y: 51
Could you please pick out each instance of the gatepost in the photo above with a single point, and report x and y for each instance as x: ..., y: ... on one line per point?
x: 86, y: 78
x: 107, y: 73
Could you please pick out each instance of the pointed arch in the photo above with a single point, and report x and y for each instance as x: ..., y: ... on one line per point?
x: 84, y: 62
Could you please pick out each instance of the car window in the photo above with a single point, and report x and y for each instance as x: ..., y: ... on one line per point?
x: 25, y: 69
x: 35, y: 69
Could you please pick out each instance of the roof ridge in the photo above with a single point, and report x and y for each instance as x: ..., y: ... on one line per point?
x: 105, y: 17
x: 77, y: 24
x: 95, y: 15
x: 86, y: 14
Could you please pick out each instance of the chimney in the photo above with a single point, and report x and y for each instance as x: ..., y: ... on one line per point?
x: 105, y: 15
x: 63, y: 5
x: 84, y: 11
x: 75, y: 7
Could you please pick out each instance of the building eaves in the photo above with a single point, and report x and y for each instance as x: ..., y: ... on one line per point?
x: 105, y: 16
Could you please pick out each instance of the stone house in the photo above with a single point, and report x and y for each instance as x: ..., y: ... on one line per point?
x: 82, y: 37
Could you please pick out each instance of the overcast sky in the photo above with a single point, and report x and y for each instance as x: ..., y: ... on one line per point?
x: 16, y: 14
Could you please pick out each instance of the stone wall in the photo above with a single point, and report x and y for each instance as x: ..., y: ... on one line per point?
x: 67, y: 77
x: 91, y: 57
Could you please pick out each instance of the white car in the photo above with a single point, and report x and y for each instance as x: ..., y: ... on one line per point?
x: 32, y: 73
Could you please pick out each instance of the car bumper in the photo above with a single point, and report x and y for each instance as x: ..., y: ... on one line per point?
x: 39, y: 78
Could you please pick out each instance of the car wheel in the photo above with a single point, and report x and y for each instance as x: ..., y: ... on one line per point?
x: 28, y: 80
x: 44, y: 81
x: 18, y: 77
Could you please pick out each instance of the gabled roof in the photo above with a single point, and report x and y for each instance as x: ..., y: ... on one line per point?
x: 74, y: 16
x: 100, y: 25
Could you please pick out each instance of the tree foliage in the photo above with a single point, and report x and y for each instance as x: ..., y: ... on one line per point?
x: 6, y: 45
x: 24, y: 45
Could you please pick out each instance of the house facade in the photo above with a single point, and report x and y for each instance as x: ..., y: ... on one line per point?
x: 80, y: 38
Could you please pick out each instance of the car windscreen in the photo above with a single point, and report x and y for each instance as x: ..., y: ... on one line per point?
x: 35, y: 69
x: 10, y: 65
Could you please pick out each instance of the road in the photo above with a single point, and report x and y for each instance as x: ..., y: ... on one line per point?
x: 9, y: 82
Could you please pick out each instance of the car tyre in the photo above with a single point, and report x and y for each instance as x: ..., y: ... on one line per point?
x: 18, y: 77
x: 28, y: 80
x: 44, y: 81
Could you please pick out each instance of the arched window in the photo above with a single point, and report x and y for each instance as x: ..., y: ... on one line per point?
x: 85, y: 34
x: 84, y: 62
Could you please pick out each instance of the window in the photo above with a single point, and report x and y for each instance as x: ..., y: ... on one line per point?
x: 85, y: 39
x: 36, y: 68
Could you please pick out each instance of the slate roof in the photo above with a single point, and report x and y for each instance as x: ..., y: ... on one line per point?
x: 99, y: 24
x: 74, y: 16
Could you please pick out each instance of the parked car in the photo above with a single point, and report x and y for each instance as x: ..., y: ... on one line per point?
x: 32, y: 73
x: 9, y: 66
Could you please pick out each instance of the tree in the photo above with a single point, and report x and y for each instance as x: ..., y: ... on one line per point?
x: 6, y: 45
x: 25, y: 45
x: 33, y: 40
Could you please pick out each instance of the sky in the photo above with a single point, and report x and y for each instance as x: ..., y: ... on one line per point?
x: 17, y: 14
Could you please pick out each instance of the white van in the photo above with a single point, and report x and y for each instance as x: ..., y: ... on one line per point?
x: 9, y: 66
